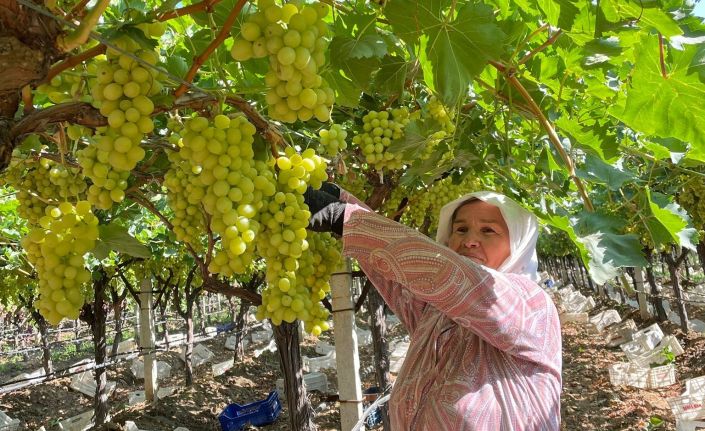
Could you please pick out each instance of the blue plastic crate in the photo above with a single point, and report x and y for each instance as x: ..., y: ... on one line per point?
x: 234, y: 417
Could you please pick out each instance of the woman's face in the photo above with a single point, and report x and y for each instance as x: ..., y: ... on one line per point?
x: 480, y: 233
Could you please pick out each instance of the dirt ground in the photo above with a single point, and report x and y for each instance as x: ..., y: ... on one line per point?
x: 589, y: 401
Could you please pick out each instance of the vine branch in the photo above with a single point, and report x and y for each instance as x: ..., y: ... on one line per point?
x: 27, y: 100
x: 198, y: 61
x: 552, y: 135
x: 78, y: 10
x: 74, y: 61
x: 205, y: 5
x: 550, y: 41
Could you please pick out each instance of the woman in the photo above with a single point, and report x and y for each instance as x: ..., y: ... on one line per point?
x: 485, y: 351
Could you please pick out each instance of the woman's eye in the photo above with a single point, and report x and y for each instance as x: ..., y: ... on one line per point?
x: 488, y: 230
x: 461, y: 229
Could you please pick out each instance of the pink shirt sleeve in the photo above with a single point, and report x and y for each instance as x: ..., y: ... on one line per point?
x: 401, y: 301
x: 502, y: 309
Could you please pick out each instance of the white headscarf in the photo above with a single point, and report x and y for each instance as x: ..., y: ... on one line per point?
x: 523, y: 231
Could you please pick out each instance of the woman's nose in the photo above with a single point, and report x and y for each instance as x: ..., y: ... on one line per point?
x: 470, y: 242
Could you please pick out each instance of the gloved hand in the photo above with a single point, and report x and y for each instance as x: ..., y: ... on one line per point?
x: 332, y: 189
x: 327, y: 211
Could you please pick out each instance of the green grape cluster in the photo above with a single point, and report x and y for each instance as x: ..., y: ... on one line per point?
x: 333, y: 140
x: 355, y: 184
x: 69, y: 85
x: 439, y: 113
x: 121, y: 91
x: 40, y: 183
x: 428, y: 203
x: 56, y: 247
x: 284, y: 237
x: 692, y: 198
x: 302, y: 301
x: 294, y: 38
x: 391, y: 205
x: 215, y: 170
x: 379, y: 130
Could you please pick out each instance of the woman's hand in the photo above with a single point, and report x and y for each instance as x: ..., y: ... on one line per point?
x: 327, y: 211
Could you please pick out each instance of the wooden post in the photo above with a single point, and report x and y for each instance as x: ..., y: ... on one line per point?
x: 147, y: 340
x: 347, y: 360
x: 641, y: 293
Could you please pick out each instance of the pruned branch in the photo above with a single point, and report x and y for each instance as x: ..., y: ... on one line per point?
x: 74, y: 61
x: 75, y: 112
x: 27, y: 100
x: 204, y: 6
x: 212, y: 284
x: 222, y: 35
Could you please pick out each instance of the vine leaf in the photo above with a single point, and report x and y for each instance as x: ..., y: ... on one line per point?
x: 600, y: 172
x: 559, y: 13
x: 114, y: 237
x: 665, y: 107
x: 410, y: 18
x: 667, y: 221
x: 366, y: 46
x: 653, y: 17
x: 459, y: 50
x: 391, y: 75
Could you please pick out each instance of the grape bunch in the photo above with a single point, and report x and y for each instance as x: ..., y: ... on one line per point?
x: 333, y: 140
x: 40, y: 183
x: 428, y: 203
x: 121, y: 91
x: 380, y: 129
x: 214, y: 174
x: 439, y: 113
x: 56, y: 247
x: 69, y: 85
x: 294, y: 38
x: 691, y: 197
x: 283, y: 241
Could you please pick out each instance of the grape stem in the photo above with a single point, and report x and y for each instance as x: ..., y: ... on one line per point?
x: 206, y: 5
x: 199, y: 60
x: 73, y: 61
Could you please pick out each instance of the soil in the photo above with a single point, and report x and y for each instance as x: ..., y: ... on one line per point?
x: 589, y: 401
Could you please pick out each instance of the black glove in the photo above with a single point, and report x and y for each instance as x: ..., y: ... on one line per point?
x: 327, y: 212
x: 332, y: 189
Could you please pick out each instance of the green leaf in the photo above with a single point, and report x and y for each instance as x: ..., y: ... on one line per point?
x: 177, y: 65
x: 666, y: 107
x: 459, y: 50
x: 667, y: 222
x: 358, y: 70
x: 366, y: 46
x: 602, y: 173
x: 559, y: 13
x: 609, y: 252
x: 116, y: 238
x: 391, y: 76
x: 409, y: 18
x: 648, y: 17
x: 346, y: 92
x: 599, y: 140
